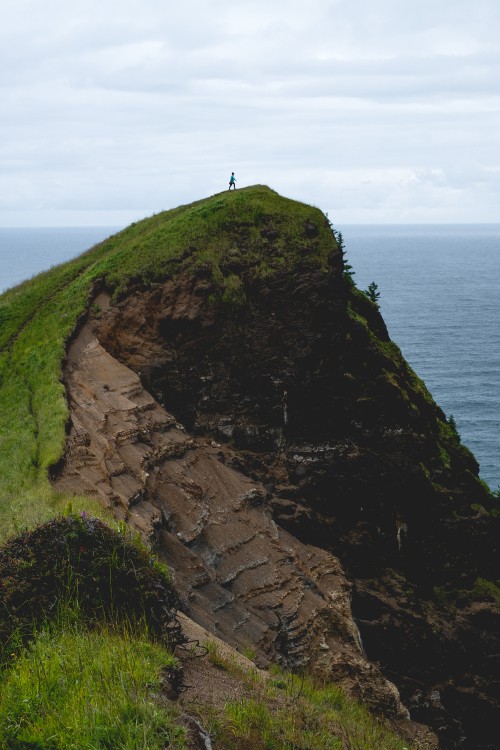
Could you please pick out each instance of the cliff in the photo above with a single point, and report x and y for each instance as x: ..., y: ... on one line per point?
x: 233, y: 397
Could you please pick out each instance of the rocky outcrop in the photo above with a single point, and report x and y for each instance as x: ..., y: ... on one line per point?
x: 238, y: 573
x: 262, y: 436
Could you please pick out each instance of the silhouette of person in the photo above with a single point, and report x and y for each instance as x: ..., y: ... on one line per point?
x: 232, y: 181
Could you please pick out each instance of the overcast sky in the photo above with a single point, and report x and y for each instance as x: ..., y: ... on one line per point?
x: 373, y: 110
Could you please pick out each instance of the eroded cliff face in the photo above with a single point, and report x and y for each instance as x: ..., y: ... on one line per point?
x: 238, y: 573
x: 279, y: 451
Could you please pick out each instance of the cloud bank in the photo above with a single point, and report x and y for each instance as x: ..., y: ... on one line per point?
x: 376, y: 112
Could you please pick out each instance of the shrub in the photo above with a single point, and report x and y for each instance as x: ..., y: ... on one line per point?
x: 79, y: 562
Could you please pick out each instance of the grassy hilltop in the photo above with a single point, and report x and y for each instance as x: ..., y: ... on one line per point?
x: 38, y: 316
x: 76, y: 669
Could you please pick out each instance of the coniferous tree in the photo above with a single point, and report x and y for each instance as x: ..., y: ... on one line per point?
x: 372, y: 292
x: 347, y: 268
x: 453, y: 425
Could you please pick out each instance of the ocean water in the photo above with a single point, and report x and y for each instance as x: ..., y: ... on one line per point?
x: 440, y: 298
x: 439, y: 294
x: 26, y: 252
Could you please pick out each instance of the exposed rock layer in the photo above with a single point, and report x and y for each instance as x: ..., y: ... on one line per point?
x: 240, y: 575
x: 327, y: 437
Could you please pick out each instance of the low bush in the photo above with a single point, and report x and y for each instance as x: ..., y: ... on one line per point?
x: 78, y: 562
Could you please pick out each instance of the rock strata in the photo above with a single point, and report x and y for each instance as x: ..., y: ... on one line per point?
x: 238, y: 573
x: 268, y: 443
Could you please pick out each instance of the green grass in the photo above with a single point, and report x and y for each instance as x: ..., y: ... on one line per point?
x: 216, y: 235
x: 90, y: 689
x: 86, y: 613
x: 287, y: 711
x: 481, y: 590
x: 87, y: 690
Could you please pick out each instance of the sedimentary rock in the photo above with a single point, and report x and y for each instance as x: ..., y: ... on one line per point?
x: 282, y: 456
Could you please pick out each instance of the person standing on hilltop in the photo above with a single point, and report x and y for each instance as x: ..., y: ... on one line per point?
x: 232, y: 181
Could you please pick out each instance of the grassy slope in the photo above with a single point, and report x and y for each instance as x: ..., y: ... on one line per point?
x: 281, y: 711
x: 37, y: 317
x: 101, y: 689
x: 88, y: 689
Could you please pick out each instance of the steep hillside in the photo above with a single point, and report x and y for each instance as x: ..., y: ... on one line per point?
x: 212, y: 377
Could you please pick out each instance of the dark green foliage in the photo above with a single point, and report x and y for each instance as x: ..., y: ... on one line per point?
x: 453, y: 426
x: 481, y: 590
x: 347, y: 268
x: 78, y: 561
x: 372, y: 292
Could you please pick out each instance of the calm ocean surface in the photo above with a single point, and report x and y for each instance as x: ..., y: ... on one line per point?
x: 439, y: 294
x: 26, y: 252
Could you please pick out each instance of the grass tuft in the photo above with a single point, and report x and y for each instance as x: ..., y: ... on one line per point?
x: 88, y: 690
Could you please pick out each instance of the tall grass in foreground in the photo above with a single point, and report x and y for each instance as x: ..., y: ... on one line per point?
x: 88, y: 690
x: 286, y: 711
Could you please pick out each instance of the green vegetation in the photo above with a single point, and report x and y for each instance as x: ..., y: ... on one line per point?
x: 453, y: 426
x: 78, y: 564
x: 86, y: 615
x: 103, y: 688
x: 372, y: 293
x: 403, y: 377
x: 286, y: 711
x: 88, y: 690
x: 233, y: 290
x: 222, y: 236
x: 481, y: 590
x: 215, y: 656
x: 348, y: 271
x: 410, y: 390
x: 495, y: 510
x: 484, y: 589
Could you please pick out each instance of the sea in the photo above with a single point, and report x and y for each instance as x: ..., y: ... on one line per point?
x: 439, y: 291
x: 26, y: 252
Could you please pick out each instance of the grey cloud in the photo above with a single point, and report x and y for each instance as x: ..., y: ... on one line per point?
x: 113, y: 104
